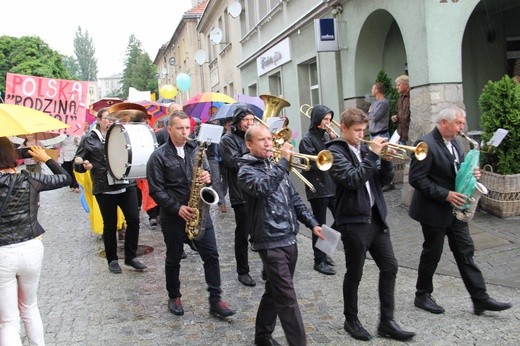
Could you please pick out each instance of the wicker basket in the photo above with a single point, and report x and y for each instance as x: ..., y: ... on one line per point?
x: 503, y: 199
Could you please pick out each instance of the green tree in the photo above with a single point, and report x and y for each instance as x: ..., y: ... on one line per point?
x: 72, y: 66
x: 85, y: 56
x: 29, y: 55
x: 391, y: 95
x: 500, y: 105
x: 139, y: 70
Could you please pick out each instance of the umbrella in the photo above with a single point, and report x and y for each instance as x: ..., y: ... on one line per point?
x: 199, y: 105
x: 254, y: 100
x: 45, y: 139
x: 155, y: 109
x: 227, y: 110
x: 20, y: 120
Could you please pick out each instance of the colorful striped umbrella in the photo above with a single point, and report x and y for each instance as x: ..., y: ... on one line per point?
x: 155, y: 109
x: 199, y: 105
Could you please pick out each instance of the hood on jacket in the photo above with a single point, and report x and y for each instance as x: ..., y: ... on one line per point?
x: 318, y: 112
x: 239, y: 114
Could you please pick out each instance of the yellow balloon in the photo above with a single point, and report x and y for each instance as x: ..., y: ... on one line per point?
x: 168, y: 91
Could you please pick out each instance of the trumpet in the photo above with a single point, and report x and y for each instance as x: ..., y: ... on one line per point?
x: 323, y: 160
x: 399, y: 151
x: 328, y: 128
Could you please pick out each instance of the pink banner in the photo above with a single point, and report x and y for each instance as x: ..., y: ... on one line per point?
x: 62, y: 99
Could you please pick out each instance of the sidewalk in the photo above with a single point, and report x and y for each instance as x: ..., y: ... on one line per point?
x: 82, y: 303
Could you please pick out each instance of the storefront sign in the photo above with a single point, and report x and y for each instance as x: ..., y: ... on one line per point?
x: 326, y: 30
x: 274, y: 57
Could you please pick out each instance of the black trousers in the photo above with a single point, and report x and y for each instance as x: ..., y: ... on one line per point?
x: 279, y: 298
x: 173, y: 228
x: 357, y: 240
x: 108, y: 204
x: 241, y: 239
x: 462, y: 247
x: 319, y: 209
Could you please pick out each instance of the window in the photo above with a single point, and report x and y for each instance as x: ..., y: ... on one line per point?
x: 513, y: 55
x: 314, y: 83
x: 252, y: 90
x: 275, y: 84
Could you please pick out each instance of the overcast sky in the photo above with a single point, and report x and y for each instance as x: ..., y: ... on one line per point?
x: 109, y: 23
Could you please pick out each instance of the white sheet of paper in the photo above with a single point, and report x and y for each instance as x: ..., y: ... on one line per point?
x: 395, y: 138
x: 210, y: 133
x: 498, y: 137
x: 330, y: 243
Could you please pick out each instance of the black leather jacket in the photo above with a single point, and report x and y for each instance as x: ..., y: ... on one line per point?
x: 232, y: 147
x: 169, y: 177
x: 92, y: 148
x: 312, y: 143
x: 350, y: 175
x: 273, y: 205
x: 19, y: 221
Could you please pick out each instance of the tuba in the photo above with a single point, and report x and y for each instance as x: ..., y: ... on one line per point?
x: 466, y: 183
x: 201, y: 198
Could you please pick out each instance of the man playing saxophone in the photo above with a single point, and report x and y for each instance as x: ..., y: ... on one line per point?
x: 433, y: 202
x: 170, y: 172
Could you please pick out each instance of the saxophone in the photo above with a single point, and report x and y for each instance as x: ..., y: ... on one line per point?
x: 201, y: 197
x: 467, y: 184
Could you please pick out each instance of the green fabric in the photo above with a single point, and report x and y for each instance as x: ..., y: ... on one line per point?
x: 465, y: 181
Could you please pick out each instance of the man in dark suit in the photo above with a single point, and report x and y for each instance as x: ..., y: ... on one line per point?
x: 432, y: 205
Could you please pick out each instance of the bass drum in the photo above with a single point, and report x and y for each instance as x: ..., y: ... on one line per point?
x: 128, y: 148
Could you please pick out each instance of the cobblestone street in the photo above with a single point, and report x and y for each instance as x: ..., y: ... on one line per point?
x: 82, y: 303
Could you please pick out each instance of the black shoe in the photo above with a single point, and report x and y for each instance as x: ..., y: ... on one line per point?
x: 390, y: 329
x: 246, y: 280
x: 266, y: 341
x: 184, y: 255
x: 356, y: 330
x: 135, y: 264
x: 426, y: 302
x: 389, y: 187
x: 175, y: 306
x: 221, y: 309
x: 114, y: 267
x: 329, y: 261
x: 490, y: 304
x: 324, y: 268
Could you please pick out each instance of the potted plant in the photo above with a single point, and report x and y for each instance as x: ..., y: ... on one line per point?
x: 500, y: 106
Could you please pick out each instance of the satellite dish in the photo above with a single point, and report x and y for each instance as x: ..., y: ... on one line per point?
x: 171, y: 60
x: 215, y: 36
x: 234, y: 9
x: 200, y: 57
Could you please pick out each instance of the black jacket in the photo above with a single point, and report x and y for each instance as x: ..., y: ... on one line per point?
x: 433, y: 178
x: 312, y: 143
x: 19, y: 220
x: 350, y: 175
x: 273, y: 205
x: 92, y: 148
x: 232, y: 146
x: 170, y: 177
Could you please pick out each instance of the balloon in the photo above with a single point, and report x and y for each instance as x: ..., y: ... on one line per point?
x: 183, y: 81
x: 168, y: 91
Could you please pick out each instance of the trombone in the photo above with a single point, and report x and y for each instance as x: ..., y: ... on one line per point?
x: 399, y: 151
x: 329, y: 128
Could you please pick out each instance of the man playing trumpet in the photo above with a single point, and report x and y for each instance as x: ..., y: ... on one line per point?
x: 274, y: 208
x: 361, y: 219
